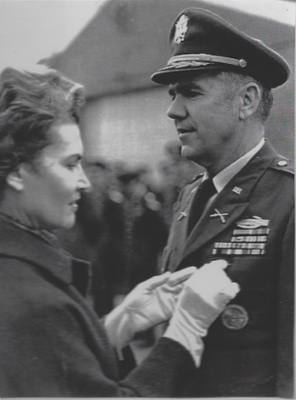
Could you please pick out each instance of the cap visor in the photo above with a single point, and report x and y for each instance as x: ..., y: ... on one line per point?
x: 171, y: 76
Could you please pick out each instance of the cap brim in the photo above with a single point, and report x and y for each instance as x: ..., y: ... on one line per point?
x: 166, y: 77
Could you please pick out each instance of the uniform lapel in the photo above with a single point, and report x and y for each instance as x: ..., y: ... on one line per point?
x: 233, y: 200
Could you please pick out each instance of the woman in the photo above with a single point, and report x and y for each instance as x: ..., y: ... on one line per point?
x: 51, y: 341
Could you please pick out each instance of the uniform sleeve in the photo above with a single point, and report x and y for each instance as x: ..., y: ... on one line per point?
x: 48, y: 353
x: 286, y: 301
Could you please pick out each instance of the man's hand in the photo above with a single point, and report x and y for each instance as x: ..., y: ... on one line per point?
x: 150, y: 303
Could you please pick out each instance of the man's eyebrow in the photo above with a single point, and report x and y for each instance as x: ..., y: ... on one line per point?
x: 184, y: 88
x: 191, y: 85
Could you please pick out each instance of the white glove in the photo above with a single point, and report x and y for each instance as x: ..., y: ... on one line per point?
x: 150, y: 303
x: 202, y: 299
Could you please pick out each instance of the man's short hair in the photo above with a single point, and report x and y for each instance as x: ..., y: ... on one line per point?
x: 235, y: 80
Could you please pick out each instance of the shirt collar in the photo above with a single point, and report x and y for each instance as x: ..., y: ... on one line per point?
x: 224, y: 176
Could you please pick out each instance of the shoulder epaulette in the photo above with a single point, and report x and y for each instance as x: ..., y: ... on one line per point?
x: 195, y: 178
x: 283, y: 164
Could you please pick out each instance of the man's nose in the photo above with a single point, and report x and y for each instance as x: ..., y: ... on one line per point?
x: 177, y: 109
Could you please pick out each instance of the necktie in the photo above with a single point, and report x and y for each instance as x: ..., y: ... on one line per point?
x: 205, y: 191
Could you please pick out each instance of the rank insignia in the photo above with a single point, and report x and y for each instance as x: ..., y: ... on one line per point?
x: 181, y: 29
x: 252, y: 223
x: 237, y: 190
x: 234, y: 317
x: 183, y: 214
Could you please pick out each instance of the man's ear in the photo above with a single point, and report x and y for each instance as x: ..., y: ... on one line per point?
x: 250, y: 96
x: 15, y: 178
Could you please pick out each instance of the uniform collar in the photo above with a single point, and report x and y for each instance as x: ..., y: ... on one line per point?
x: 225, y: 176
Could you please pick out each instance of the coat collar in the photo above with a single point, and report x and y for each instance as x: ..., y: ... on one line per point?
x: 232, y: 200
x: 25, y: 245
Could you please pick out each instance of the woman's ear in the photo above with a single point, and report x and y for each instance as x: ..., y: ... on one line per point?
x: 15, y: 179
x: 250, y: 97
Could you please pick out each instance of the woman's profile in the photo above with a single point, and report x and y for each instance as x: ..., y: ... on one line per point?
x: 52, y: 343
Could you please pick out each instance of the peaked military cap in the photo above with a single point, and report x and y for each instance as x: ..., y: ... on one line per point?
x: 201, y: 41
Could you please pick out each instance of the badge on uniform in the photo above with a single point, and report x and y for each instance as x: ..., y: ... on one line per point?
x: 250, y: 239
x: 234, y: 317
x: 252, y: 223
x: 183, y: 214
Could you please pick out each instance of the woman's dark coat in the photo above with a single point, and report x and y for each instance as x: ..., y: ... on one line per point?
x: 52, y: 343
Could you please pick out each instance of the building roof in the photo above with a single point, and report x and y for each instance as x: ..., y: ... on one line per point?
x: 128, y: 40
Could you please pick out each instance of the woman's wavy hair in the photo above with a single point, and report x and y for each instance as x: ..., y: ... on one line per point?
x: 31, y: 102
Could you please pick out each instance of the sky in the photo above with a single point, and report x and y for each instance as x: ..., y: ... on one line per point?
x: 278, y: 10
x: 31, y: 30
x: 34, y: 29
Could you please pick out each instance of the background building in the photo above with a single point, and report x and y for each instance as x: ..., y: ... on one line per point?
x: 116, y: 53
x: 122, y: 224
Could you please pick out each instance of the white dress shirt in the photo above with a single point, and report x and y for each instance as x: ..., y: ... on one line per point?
x: 224, y: 176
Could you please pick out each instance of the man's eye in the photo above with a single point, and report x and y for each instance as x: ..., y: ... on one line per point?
x: 193, y: 94
x: 172, y: 96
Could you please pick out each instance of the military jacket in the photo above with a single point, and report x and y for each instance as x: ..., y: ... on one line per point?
x: 250, y: 224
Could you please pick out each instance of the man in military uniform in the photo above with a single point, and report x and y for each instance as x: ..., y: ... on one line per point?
x: 240, y: 209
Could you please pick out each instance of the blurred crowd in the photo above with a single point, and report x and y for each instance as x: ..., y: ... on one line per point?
x: 122, y: 223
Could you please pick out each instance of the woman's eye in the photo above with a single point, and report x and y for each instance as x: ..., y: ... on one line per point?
x: 72, y: 166
x: 73, y: 163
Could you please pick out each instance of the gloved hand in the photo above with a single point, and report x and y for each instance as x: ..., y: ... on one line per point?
x: 203, y: 298
x: 148, y: 304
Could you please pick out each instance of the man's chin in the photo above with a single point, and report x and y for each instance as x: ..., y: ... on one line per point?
x: 187, y: 152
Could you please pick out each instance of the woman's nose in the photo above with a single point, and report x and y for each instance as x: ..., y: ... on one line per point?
x: 84, y: 183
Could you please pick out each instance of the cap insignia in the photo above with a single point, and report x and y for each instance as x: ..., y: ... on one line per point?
x: 181, y: 29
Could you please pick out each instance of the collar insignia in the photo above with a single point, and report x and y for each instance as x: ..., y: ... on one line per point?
x: 220, y: 215
x: 237, y: 190
x: 183, y: 214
